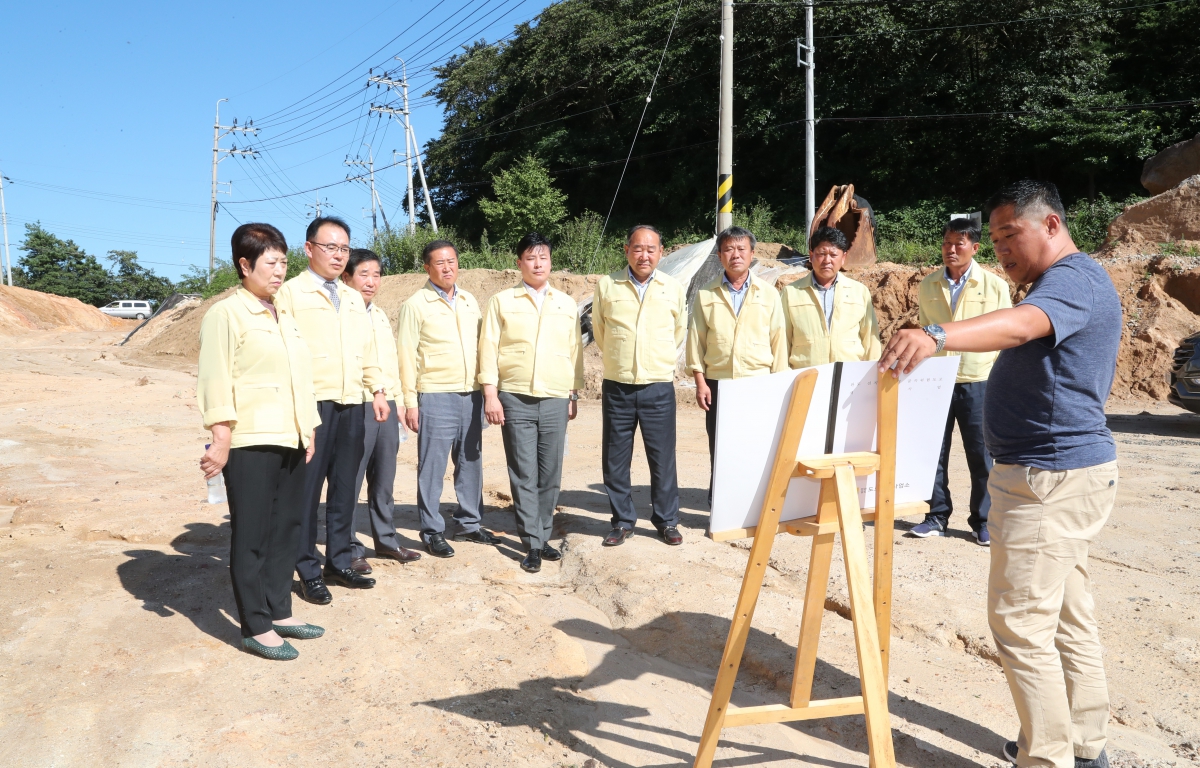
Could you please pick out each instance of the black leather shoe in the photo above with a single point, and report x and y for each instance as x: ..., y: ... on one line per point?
x: 671, y: 535
x: 360, y: 565
x: 550, y: 553
x: 436, y: 545
x: 315, y: 591
x: 617, y: 536
x: 480, y: 536
x: 401, y: 555
x: 348, y: 578
x: 532, y: 562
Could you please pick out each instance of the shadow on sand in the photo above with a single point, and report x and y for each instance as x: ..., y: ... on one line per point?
x: 693, y: 643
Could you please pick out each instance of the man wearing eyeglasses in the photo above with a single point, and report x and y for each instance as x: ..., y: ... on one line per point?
x: 639, y: 320
x: 334, y: 322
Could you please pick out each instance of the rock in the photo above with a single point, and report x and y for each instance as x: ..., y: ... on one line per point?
x: 1171, y: 166
x: 1171, y: 216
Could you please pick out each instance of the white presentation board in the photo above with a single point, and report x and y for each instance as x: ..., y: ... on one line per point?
x: 750, y: 415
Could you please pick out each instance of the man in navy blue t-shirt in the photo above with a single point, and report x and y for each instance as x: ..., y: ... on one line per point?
x: 1055, y: 476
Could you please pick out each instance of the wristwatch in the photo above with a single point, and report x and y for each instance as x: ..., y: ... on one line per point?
x: 573, y: 397
x: 938, y: 334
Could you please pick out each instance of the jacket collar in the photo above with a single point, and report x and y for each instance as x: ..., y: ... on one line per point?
x: 251, y: 301
x: 972, y: 274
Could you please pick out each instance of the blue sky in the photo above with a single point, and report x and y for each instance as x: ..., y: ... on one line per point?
x: 107, y: 113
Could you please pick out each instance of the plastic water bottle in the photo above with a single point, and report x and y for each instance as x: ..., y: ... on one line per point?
x: 216, y: 487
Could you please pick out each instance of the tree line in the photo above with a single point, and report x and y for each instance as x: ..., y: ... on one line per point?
x: 1020, y: 88
x: 53, y: 265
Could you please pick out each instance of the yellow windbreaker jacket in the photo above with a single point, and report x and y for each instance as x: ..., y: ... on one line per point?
x: 527, y: 353
x: 345, y: 361
x: 385, y: 349
x: 639, y: 338
x: 722, y: 345
x: 256, y: 374
x: 853, y: 335
x: 984, y: 292
x: 438, y: 345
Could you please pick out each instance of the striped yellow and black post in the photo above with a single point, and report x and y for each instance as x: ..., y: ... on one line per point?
x: 725, y: 193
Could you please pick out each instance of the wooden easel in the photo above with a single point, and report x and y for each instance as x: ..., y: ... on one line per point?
x: 871, y: 613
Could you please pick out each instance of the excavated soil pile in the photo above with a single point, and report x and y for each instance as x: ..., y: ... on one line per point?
x: 180, y: 336
x: 23, y: 310
x: 161, y: 321
x: 1171, y: 217
x: 1160, y: 297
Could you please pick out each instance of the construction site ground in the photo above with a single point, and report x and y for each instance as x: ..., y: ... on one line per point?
x: 119, y: 642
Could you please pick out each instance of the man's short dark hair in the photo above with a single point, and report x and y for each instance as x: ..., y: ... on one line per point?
x: 966, y: 226
x: 1024, y: 195
x: 532, y: 240
x: 832, y: 235
x: 736, y: 233
x: 315, y: 225
x: 250, y: 241
x: 632, y: 230
x: 357, y: 257
x: 436, y: 245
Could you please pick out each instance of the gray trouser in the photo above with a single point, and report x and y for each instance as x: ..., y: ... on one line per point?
x: 451, y: 424
x: 534, y: 431
x: 378, y: 468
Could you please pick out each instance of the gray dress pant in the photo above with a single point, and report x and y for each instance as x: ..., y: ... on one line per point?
x: 451, y: 424
x: 535, y: 432
x: 338, y: 452
x: 378, y: 468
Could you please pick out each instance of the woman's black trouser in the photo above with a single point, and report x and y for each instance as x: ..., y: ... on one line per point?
x: 265, y: 485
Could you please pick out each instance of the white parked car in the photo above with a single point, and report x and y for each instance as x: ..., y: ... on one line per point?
x: 134, y: 309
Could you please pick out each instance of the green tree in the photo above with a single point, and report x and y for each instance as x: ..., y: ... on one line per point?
x: 61, y: 267
x: 1038, y: 88
x: 131, y: 280
x: 524, y: 200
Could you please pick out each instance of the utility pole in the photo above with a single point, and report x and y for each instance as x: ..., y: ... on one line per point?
x: 316, y: 206
x: 220, y: 154
x: 804, y: 58
x: 412, y: 211
x: 4, y: 219
x: 725, y: 134
x: 411, y: 147
x: 370, y: 166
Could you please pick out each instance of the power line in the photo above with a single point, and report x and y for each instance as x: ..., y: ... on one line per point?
x: 1006, y: 113
x: 637, y: 131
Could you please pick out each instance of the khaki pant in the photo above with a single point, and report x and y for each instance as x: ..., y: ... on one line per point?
x: 1041, y: 610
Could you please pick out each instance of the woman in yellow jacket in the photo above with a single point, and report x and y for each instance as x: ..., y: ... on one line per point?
x: 255, y: 392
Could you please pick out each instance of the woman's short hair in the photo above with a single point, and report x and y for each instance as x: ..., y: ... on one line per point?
x: 250, y: 241
x: 532, y: 240
x: 832, y: 235
x: 357, y: 257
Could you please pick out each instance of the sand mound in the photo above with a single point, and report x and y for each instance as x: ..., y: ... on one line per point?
x: 23, y: 310
x: 1171, y: 217
x: 179, y: 335
x: 160, y: 320
x: 1160, y: 297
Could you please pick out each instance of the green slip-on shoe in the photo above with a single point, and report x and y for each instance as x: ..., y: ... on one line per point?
x: 299, y: 631
x: 283, y: 652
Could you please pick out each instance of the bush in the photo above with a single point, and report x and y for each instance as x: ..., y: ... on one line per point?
x: 578, y: 248
x: 400, y: 250
x: 760, y: 219
x: 1088, y: 220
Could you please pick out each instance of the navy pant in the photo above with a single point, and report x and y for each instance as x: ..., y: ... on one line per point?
x: 710, y: 426
x: 340, y: 446
x: 966, y: 407
x: 625, y: 407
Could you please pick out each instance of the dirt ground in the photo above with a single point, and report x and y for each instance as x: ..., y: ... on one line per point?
x: 118, y: 641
